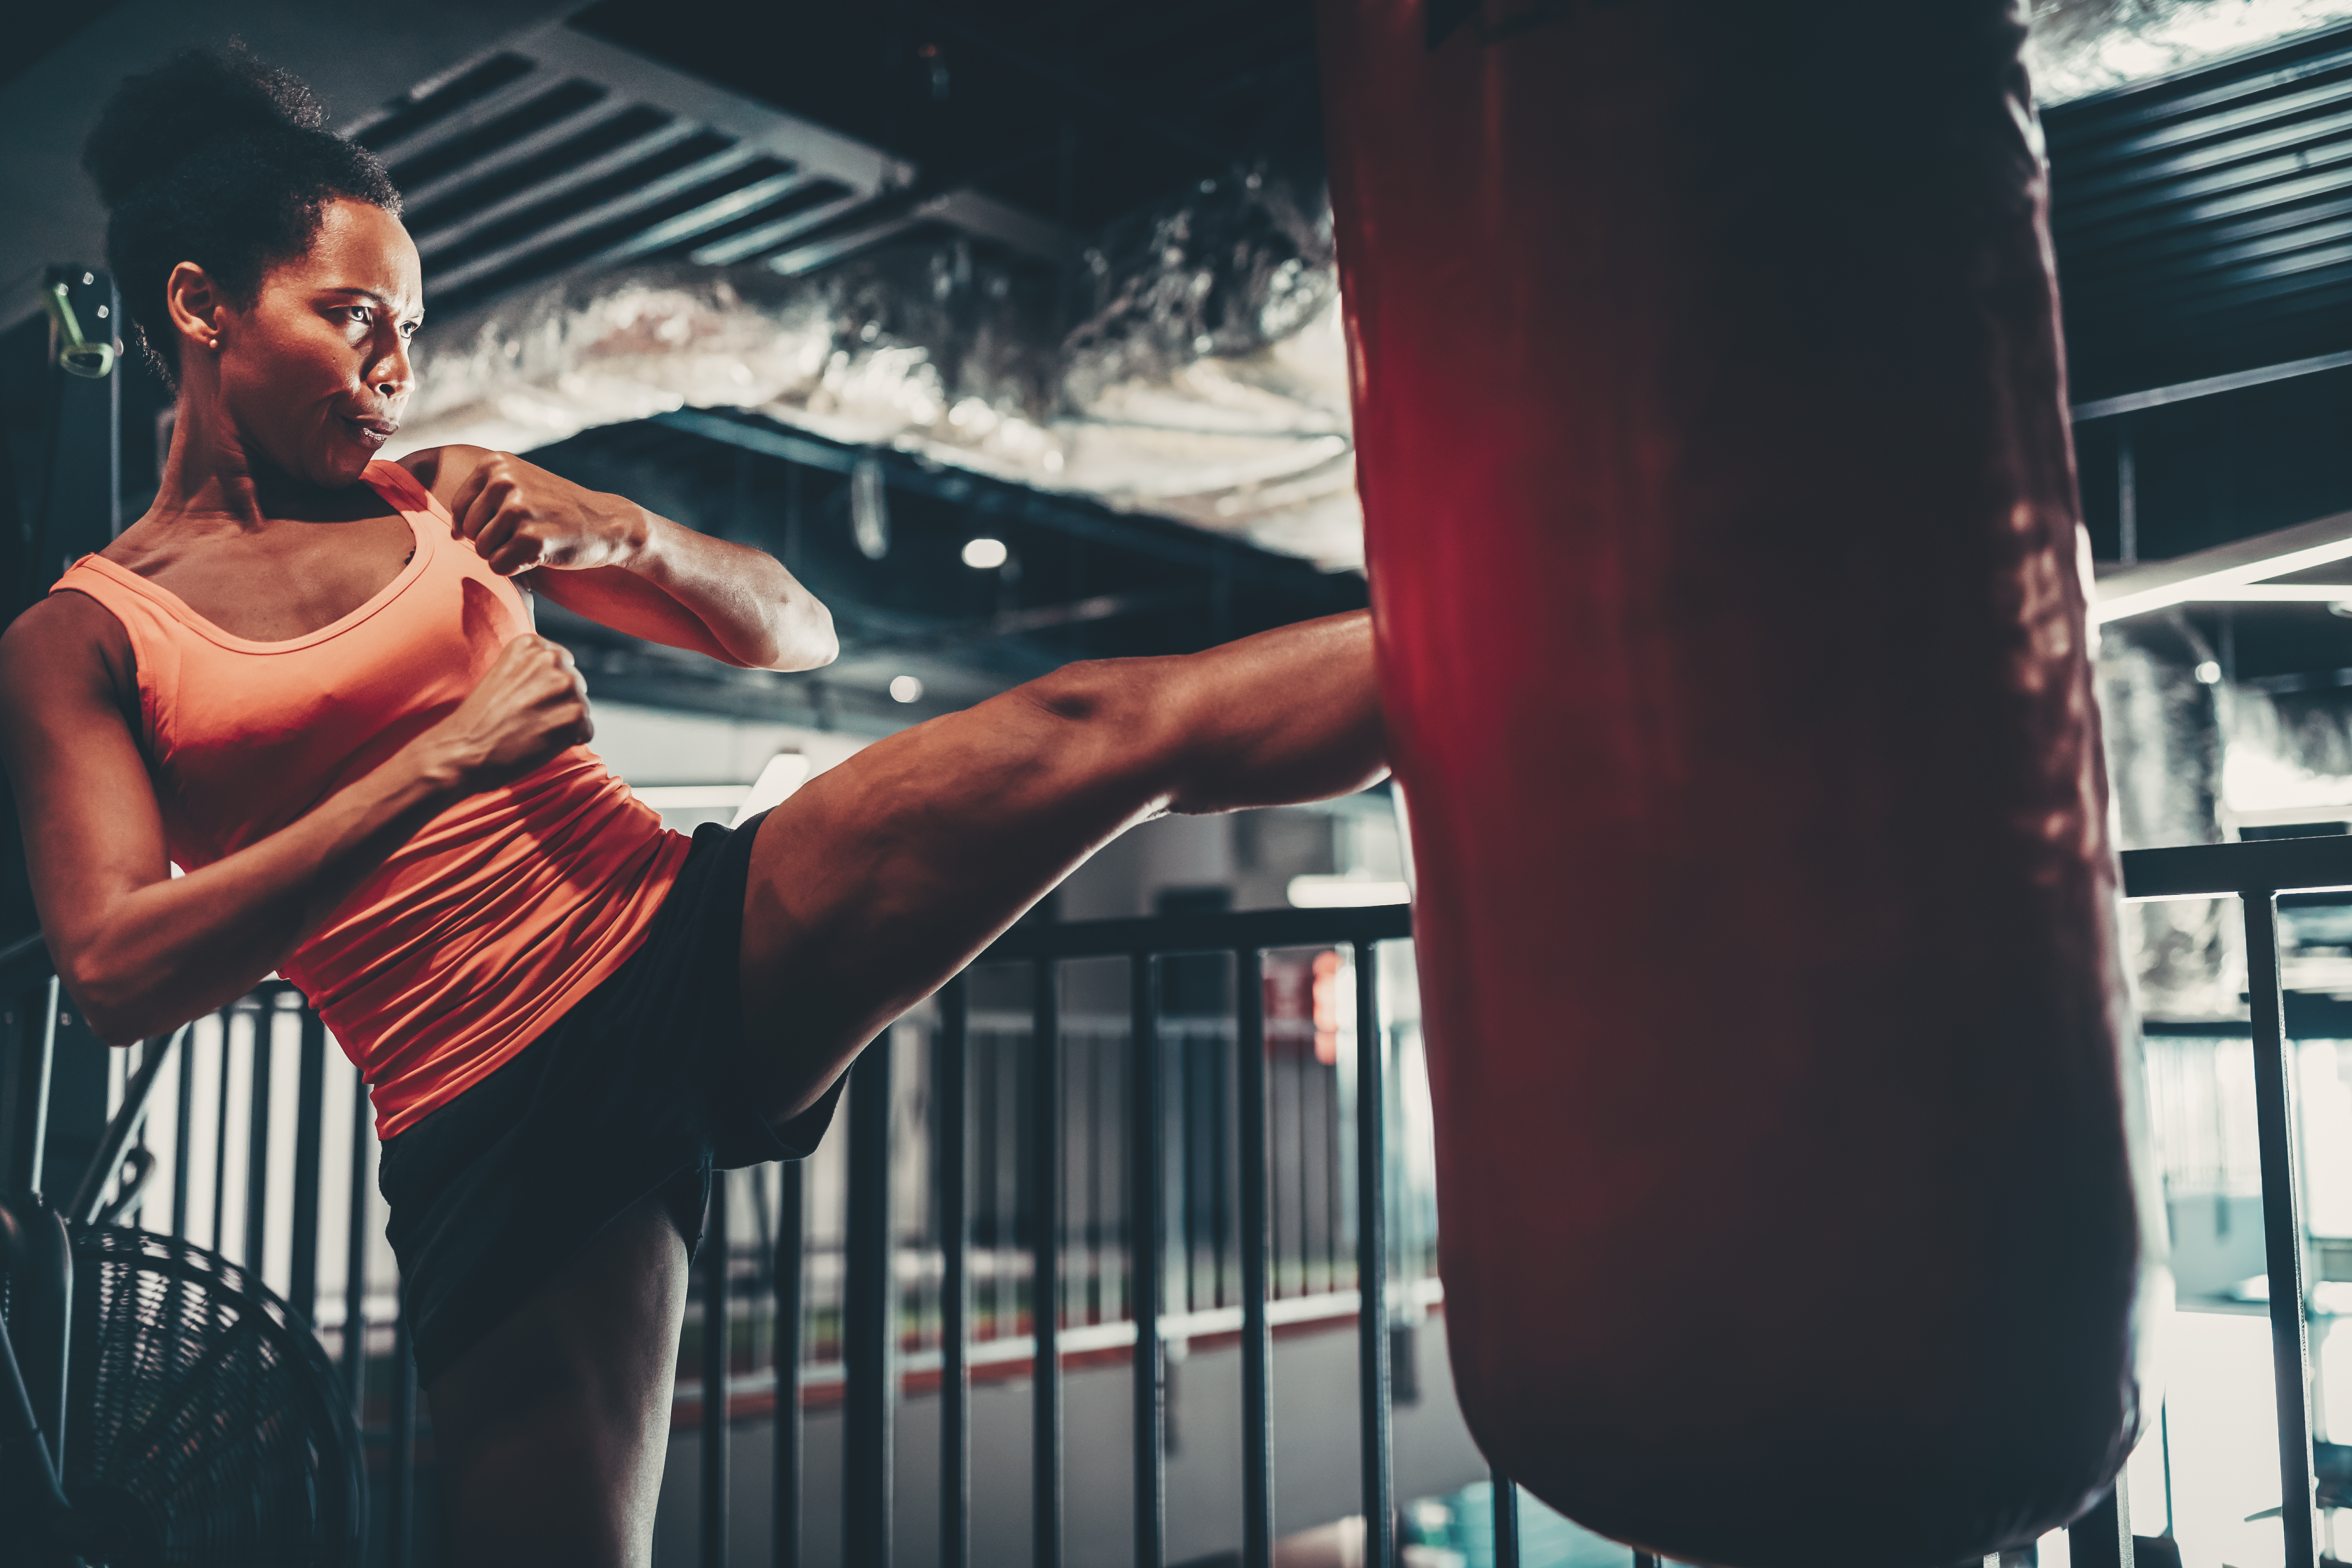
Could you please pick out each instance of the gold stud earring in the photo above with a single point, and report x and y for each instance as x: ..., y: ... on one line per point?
x: 215, y: 342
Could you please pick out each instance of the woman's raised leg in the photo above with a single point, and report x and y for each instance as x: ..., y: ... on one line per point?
x: 885, y: 876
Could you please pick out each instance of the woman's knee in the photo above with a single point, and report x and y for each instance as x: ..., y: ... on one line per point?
x: 1127, y: 714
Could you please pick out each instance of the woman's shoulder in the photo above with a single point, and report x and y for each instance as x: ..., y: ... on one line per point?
x: 65, y: 642
x: 442, y: 472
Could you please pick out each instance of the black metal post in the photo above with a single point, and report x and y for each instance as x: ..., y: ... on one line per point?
x: 398, y: 1545
x: 256, y: 1143
x: 1505, y: 1498
x: 950, y: 1075
x: 219, y: 1238
x: 868, y: 1317
x: 714, y: 1376
x: 43, y: 1077
x: 355, y: 1260
x: 2103, y: 1537
x: 310, y: 1115
x: 183, y: 1124
x: 1372, y: 1265
x: 1258, y: 1339
x: 789, y: 1310
x: 1045, y: 1274
x: 2282, y: 1229
x: 1148, y: 1251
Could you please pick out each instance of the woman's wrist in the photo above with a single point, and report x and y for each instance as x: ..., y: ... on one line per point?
x: 436, y: 769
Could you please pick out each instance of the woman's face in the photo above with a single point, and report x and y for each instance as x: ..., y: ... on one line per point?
x: 314, y: 372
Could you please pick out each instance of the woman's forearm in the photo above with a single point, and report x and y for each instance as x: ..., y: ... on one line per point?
x: 175, y: 950
x: 753, y: 608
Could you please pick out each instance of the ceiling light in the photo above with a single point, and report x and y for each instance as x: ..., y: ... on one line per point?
x: 905, y: 689
x: 1344, y: 892
x: 2242, y: 572
x: 2209, y: 673
x: 984, y: 554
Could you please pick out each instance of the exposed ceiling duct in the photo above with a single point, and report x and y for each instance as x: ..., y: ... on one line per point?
x: 1205, y: 377
x: 2081, y: 47
x: 1206, y: 381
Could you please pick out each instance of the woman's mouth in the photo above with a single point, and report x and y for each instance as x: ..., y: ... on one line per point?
x: 373, y: 432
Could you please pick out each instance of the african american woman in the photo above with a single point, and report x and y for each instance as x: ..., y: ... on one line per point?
x: 308, y: 677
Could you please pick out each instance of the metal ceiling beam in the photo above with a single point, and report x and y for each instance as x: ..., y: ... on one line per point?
x: 814, y: 147
x: 2188, y: 579
x: 2157, y: 396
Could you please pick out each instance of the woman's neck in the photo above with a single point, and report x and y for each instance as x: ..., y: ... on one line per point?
x: 213, y: 473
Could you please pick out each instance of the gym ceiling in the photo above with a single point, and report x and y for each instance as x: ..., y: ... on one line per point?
x: 2203, y: 226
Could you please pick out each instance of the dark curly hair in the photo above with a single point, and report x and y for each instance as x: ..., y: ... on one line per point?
x: 217, y: 159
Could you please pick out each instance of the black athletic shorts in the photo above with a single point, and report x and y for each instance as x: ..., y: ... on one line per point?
x: 638, y: 1088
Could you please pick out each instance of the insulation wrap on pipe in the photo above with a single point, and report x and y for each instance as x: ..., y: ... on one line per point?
x: 1721, y: 519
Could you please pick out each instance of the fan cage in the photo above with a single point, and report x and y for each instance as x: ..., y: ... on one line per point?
x: 209, y: 1426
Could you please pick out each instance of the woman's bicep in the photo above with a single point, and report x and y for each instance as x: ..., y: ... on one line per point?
x: 92, y: 829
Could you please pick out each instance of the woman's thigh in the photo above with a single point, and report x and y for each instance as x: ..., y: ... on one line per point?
x: 550, y: 1431
x: 886, y: 875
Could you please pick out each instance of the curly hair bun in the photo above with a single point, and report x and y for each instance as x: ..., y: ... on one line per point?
x: 156, y: 119
x: 221, y: 161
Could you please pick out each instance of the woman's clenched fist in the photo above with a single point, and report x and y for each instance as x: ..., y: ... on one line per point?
x: 532, y: 705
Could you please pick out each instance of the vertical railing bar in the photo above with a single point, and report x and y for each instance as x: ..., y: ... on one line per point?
x: 182, y: 1125
x: 1147, y: 1251
x: 790, y: 1311
x: 2282, y: 1228
x: 256, y: 1142
x: 1374, y: 1390
x: 714, y: 1375
x: 41, y: 1085
x: 398, y: 1538
x: 868, y: 1317
x: 2103, y: 1537
x: 1506, y: 1498
x: 310, y: 1115
x: 1257, y: 1341
x: 1045, y: 1273
x: 218, y: 1237
x: 355, y: 1253
x: 955, y: 1285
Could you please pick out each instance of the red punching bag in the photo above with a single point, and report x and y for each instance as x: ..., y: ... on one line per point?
x: 1720, y: 509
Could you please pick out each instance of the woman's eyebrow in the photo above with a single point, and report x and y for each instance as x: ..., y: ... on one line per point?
x: 381, y: 300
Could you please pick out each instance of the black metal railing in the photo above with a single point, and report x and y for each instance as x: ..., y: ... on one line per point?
x: 2256, y: 873
x: 869, y: 1315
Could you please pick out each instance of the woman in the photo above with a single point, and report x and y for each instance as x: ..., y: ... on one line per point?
x: 308, y: 677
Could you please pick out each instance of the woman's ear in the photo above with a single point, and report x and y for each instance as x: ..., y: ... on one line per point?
x: 196, y: 307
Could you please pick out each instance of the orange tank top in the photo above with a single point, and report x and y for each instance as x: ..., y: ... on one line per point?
x: 496, y: 916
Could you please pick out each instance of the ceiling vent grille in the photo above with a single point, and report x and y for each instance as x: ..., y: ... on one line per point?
x: 2204, y: 223
x: 562, y: 152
